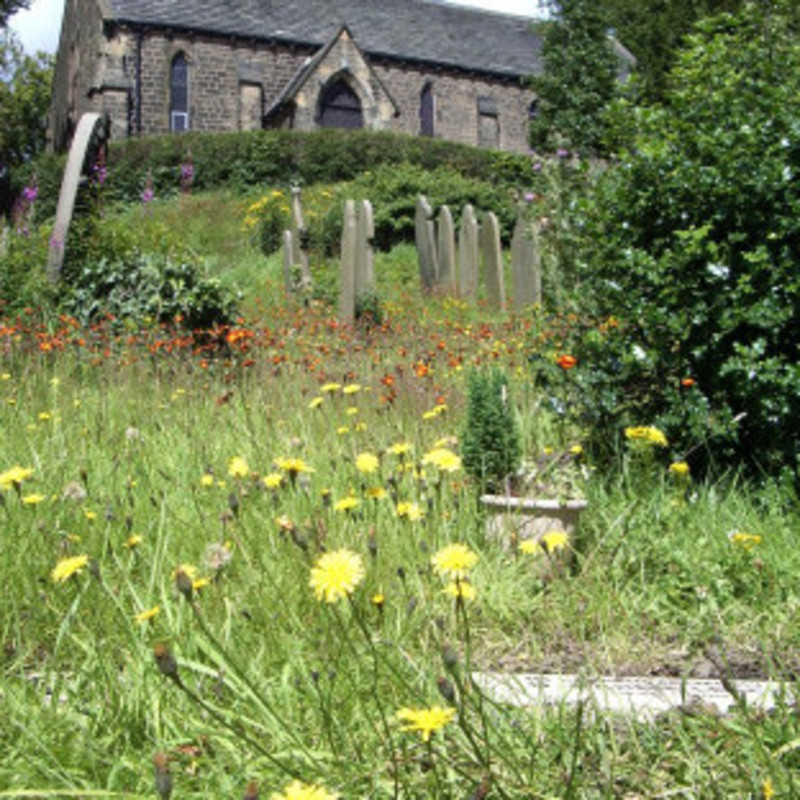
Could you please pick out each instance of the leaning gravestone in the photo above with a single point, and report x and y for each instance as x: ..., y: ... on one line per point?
x: 426, y: 244
x: 91, y: 137
x: 365, y: 232
x: 525, y: 271
x: 447, y: 251
x: 493, y: 262
x: 468, y: 253
x: 347, y: 270
x: 300, y: 238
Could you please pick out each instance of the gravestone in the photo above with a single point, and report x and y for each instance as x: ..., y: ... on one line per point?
x: 365, y: 233
x: 426, y: 244
x: 493, y: 262
x: 468, y: 253
x: 525, y: 271
x: 447, y: 251
x: 288, y: 262
x: 91, y: 137
x: 347, y: 269
x: 300, y: 238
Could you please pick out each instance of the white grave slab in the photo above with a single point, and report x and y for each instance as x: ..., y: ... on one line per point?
x: 643, y: 697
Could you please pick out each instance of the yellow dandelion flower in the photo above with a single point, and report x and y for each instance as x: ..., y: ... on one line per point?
x: 44, y: 416
x: 445, y: 441
x: 91, y: 516
x: 454, y: 561
x: 554, y: 540
x: 351, y: 411
x: 346, y: 503
x: 207, y: 480
x: 133, y: 541
x: 351, y: 388
x: 443, y: 459
x: 238, y: 468
x: 68, y: 567
x: 399, y: 449
x: 646, y: 434
x: 15, y: 475
x: 342, y: 429
x: 378, y: 599
x: 425, y: 720
x: 329, y: 388
x: 413, y: 512
x: 460, y: 589
x: 147, y: 614
x: 376, y: 492
x: 680, y: 469
x: 293, y: 465
x: 190, y: 570
x: 430, y: 414
x: 303, y: 791
x: 33, y: 499
x: 360, y: 426
x: 767, y: 789
x: 315, y: 403
x: 576, y: 450
x: 367, y: 463
x: 336, y: 575
x: 200, y: 583
x: 529, y: 547
x: 747, y: 541
x: 273, y: 480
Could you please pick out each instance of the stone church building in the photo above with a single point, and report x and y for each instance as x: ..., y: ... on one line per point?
x: 422, y: 67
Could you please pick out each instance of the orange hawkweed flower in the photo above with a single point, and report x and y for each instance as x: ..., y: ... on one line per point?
x: 566, y: 361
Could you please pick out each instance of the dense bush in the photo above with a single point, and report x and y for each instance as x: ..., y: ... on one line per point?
x: 694, y: 243
x: 272, y: 158
x: 23, y: 278
x: 147, y: 286
x: 393, y: 191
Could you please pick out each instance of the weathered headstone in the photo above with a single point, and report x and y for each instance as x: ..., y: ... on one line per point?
x: 365, y: 233
x: 468, y: 253
x: 91, y: 136
x: 347, y: 270
x: 288, y: 262
x: 447, y: 251
x: 300, y: 237
x: 493, y: 262
x: 426, y: 244
x: 525, y: 269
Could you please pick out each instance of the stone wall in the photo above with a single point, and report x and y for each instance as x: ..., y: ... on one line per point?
x: 456, y: 97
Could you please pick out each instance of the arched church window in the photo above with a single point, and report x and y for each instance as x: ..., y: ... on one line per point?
x: 426, y: 105
x: 340, y: 107
x: 179, y: 94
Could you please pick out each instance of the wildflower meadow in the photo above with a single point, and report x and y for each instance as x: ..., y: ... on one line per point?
x: 245, y: 548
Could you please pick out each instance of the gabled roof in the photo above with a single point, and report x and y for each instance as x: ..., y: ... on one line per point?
x: 412, y: 30
x: 307, y: 70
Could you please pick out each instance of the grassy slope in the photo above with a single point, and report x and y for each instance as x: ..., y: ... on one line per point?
x: 655, y: 581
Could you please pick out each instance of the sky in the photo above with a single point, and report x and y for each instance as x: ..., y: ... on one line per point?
x: 39, y: 26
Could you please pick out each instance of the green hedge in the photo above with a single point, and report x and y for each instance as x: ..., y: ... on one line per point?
x: 271, y: 157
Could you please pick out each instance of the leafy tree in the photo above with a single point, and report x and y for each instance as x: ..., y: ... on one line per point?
x: 10, y: 7
x: 579, y: 77
x: 653, y: 31
x: 25, y: 88
x: 694, y: 244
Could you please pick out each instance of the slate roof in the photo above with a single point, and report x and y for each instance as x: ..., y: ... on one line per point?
x: 413, y: 30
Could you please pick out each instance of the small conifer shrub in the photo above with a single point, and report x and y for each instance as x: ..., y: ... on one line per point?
x: 490, y: 444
